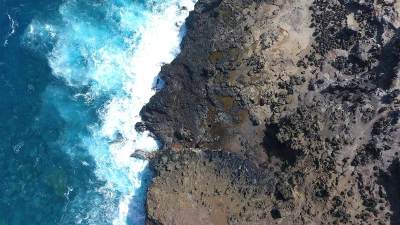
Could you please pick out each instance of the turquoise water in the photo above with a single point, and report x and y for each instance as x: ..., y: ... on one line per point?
x: 74, y: 75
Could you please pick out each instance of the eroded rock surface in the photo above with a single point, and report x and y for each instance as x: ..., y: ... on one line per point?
x: 280, y: 112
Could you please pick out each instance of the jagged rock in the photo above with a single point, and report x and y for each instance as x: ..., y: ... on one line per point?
x: 141, y: 154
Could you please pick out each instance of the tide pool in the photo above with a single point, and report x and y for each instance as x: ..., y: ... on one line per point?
x: 74, y: 76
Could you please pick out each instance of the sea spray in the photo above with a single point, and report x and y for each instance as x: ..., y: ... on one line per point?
x: 107, y: 55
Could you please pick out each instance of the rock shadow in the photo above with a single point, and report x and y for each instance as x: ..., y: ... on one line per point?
x: 391, y: 182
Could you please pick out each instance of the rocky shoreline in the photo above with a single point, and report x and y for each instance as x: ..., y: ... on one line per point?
x: 280, y: 112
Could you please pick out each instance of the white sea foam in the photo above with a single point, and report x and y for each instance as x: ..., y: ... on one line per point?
x: 159, y: 44
x: 13, y: 27
x: 117, y: 59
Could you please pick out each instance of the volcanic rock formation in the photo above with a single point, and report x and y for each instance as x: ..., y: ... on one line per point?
x: 280, y: 112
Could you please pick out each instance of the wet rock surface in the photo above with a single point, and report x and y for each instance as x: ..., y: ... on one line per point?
x: 280, y: 112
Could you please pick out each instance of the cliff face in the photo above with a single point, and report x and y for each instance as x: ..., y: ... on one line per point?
x: 280, y: 112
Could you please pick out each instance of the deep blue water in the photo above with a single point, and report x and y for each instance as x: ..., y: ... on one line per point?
x: 74, y: 75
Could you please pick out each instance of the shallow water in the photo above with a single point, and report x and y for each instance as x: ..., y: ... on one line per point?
x: 74, y: 75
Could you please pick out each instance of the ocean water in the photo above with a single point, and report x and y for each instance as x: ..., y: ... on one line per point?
x: 74, y: 75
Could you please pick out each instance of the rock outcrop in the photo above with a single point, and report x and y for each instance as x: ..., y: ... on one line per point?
x: 280, y: 112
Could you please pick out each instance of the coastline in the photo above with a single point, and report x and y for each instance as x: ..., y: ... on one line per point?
x: 75, y: 77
